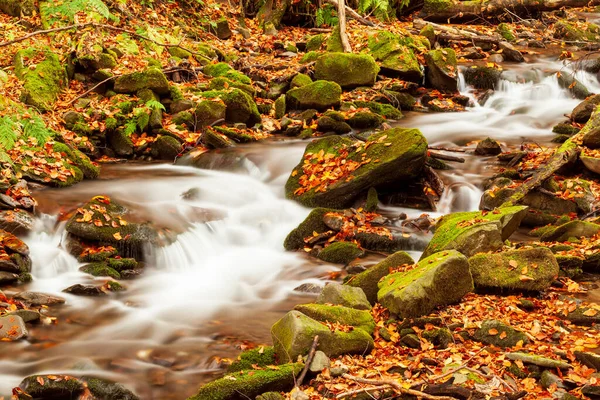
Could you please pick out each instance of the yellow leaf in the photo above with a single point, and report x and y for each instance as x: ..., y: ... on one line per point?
x: 117, y: 236
x: 591, y: 312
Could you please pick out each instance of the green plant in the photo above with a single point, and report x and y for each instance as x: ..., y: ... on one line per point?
x: 11, y: 130
x: 381, y: 9
x: 65, y: 11
x: 326, y: 16
x: 141, y: 117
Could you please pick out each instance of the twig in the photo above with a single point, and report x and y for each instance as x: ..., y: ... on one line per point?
x: 93, y: 88
x: 309, y: 358
x: 361, y: 390
x: 456, y: 149
x: 446, y: 157
x: 396, y: 386
x: 453, y: 370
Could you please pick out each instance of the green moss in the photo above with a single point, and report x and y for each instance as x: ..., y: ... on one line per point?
x: 43, y: 83
x: 179, y: 52
x: 97, y: 257
x: 385, y: 110
x: 120, y: 264
x: 243, y: 385
x: 436, y: 6
x: 372, y: 200
x: 83, y: 162
x: 440, y: 338
x: 396, y: 53
x: 360, y: 319
x: 279, y: 107
x: 334, y: 42
x: 300, y: 80
x: 365, y: 120
x: 152, y: 78
x: 341, y: 253
x: 315, y: 42
x: 347, y: 70
x: 235, y: 135
x: 260, y: 357
x: 224, y: 70
x: 41, y: 386
x: 565, y: 128
x: 100, y: 269
x: 222, y: 83
x: 319, y: 95
x: 240, y: 106
x: 312, y: 223
x: 126, y: 107
x: 175, y: 93
x: 310, y: 57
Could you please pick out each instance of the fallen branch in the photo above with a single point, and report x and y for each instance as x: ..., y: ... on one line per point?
x: 446, y: 157
x: 361, y: 390
x: 93, y: 88
x: 456, y: 149
x: 397, y: 387
x: 458, y: 38
x: 309, y: 358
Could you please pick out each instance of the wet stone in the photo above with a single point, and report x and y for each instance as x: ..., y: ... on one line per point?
x: 84, y: 290
x: 38, y: 299
x: 12, y: 327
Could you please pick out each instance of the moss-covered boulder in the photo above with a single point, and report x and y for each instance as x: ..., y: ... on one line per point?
x: 294, y: 333
x: 319, y: 95
x: 102, y: 221
x: 573, y: 229
x: 341, y: 253
x: 474, y: 232
x: 499, y: 334
x: 260, y: 356
x: 506, y: 32
x: 100, y: 269
x: 591, y: 130
x: 392, y: 155
x: 523, y: 269
x: 583, y: 111
x: 315, y: 42
x: 119, y: 142
x: 14, y: 254
x: 152, y: 78
x: 442, y: 69
x: 166, y: 148
x: 221, y: 83
x: 43, y: 77
x: 82, y: 161
x: 365, y: 120
x: 533, y: 359
x: 385, y: 110
x: 360, y: 319
x: 52, y: 386
x: 352, y: 297
x: 107, y: 390
x: 16, y: 8
x: 240, y: 107
x: 225, y: 70
x: 368, y: 280
x: 347, y: 70
x: 245, y: 385
x: 482, y: 77
x: 438, y: 280
x: 312, y: 223
x: 300, y: 80
x: 488, y: 147
x: 394, y: 55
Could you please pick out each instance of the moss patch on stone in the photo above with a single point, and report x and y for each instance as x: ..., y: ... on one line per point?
x: 261, y: 357
x: 319, y: 95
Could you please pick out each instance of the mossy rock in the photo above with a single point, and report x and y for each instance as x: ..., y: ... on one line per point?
x: 121, y: 264
x: 347, y: 70
x: 438, y: 280
x: 401, y: 100
x: 401, y: 153
x: 591, y: 130
x: 341, y: 253
x: 522, y: 269
x: 312, y: 223
x: 499, y: 334
x: 100, y: 269
x: 222, y: 83
x: 481, y: 77
x: 365, y: 120
x: 261, y: 357
x: 52, y: 386
x: 311, y: 56
x: 347, y: 296
x: 42, y: 83
x: 334, y: 41
x: 300, y: 80
x: 216, y: 140
x: 315, y: 42
x: 129, y: 238
x: 368, y: 280
x: 442, y: 69
x: 240, y: 106
x: 395, y: 56
x: 319, y: 95
x: 83, y: 162
x: 583, y: 111
x: 436, y: 6
x: 328, y: 124
x: 568, y: 31
x: 120, y: 143
x: 385, y: 110
x: 207, y: 112
x: 245, y: 385
x: 572, y: 229
x: 476, y: 231
x: 225, y: 70
x: 179, y: 52
x: 540, y: 361
x: 583, y: 316
x: 152, y: 78
x: 166, y: 148
x: 359, y: 319
x: 294, y: 333
x: 104, y: 389
x: 279, y: 107
x: 16, y: 8
x: 440, y: 337
x: 570, y: 266
x: 565, y: 128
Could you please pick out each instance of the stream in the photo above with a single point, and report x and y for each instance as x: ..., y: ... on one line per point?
x: 224, y: 278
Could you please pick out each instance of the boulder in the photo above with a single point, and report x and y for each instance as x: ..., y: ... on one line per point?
x: 573, y: 229
x: 577, y: 89
x: 368, y: 280
x: 226, y: 71
x: 522, y: 269
x: 591, y: 163
x: 107, y: 390
x: 394, y: 55
x: 488, y: 147
x: 300, y: 80
x: 84, y: 290
x: 341, y: 253
x: 42, y: 81
x: 400, y: 152
x: 334, y: 293
x: 360, y: 319
x: 591, y: 360
x: 583, y: 316
x: 36, y: 299
x: 591, y: 130
x: 346, y: 69
x: 474, y: 232
x: 90, y: 223
x: 510, y: 53
x: 152, y: 78
x: 583, y: 111
x: 244, y: 385
x: 12, y: 327
x: 442, y: 69
x: 120, y: 143
x: 314, y: 222
x: 240, y: 107
x: 319, y: 95
x: 485, y: 78
x: 14, y: 254
x: 52, y: 386
x: 294, y: 333
x: 498, y: 334
x: 166, y: 148
x: 438, y: 280
x: 262, y: 357
x: 329, y: 124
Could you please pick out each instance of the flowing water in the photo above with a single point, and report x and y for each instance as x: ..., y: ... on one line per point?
x: 224, y: 277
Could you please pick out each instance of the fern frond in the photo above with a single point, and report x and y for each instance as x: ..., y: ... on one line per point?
x: 155, y: 105
x: 55, y: 11
x: 130, y: 127
x: 8, y: 133
x: 36, y: 128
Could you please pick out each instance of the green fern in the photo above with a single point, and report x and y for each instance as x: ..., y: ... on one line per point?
x: 130, y: 127
x: 381, y: 9
x: 65, y: 11
x: 326, y: 16
x: 155, y: 105
x: 36, y: 128
x: 8, y: 133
